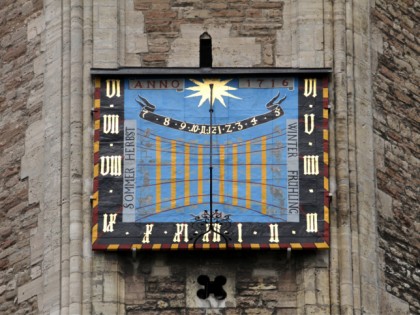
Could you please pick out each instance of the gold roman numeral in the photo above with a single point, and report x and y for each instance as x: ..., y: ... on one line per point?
x: 311, y: 222
x: 310, y: 87
x: 108, y: 222
x: 310, y: 165
x: 111, y: 124
x: 274, y: 233
x: 146, y: 237
x: 216, y: 236
x: 181, y: 229
x: 309, y: 123
x: 111, y: 165
x: 113, y: 88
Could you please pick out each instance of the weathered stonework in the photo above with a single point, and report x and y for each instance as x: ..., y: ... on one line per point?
x: 397, y: 137
x: 47, y: 49
x: 242, y: 31
x: 21, y: 89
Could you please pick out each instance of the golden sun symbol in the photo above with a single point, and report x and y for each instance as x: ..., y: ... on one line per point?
x: 220, y: 89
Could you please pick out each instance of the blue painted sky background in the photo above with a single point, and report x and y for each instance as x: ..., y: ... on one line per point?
x: 175, y: 104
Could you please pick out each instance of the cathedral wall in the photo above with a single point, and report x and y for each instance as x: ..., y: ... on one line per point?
x: 21, y: 96
x: 396, y: 128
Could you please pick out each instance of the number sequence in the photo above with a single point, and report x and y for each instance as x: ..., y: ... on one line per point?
x: 216, y: 129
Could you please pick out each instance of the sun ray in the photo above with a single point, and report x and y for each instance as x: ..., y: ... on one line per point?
x: 220, y: 89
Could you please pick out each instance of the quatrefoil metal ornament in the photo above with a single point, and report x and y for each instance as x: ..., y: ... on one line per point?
x: 212, y: 287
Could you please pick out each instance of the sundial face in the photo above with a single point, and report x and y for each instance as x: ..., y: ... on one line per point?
x: 267, y: 141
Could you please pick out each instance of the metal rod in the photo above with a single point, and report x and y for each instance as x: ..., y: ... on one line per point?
x: 210, y: 229
x: 211, y: 155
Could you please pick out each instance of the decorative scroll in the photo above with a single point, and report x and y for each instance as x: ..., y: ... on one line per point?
x: 148, y: 109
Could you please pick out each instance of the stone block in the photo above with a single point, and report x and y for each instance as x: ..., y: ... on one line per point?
x: 38, y: 66
x: 287, y: 311
x: 322, y: 286
x: 236, y: 52
x: 99, y: 308
x: 134, y: 289
x: 161, y: 271
x: 391, y: 304
x: 287, y: 280
x: 110, y: 289
x: 105, y: 39
x: 159, y: 45
x: 134, y: 20
x: 36, y: 272
x: 184, y: 54
x: 259, y: 311
x: 317, y: 259
x: 107, y: 17
x: 219, y: 31
x: 2, y: 289
x: 317, y: 309
x: 268, y: 54
x: 192, y: 13
x: 29, y: 289
x: 274, y: 299
x: 105, y: 58
x: 136, y: 43
x: 132, y: 60
x: 264, y: 272
x: 384, y: 204
x: 35, y: 27
x: 308, y: 59
x: 97, y: 287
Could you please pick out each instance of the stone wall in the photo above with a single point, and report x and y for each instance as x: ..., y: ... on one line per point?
x: 256, y: 284
x: 245, y: 33
x: 21, y: 96
x: 397, y: 138
x: 243, y: 28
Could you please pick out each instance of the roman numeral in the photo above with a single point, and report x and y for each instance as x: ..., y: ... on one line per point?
x: 310, y: 165
x: 111, y: 124
x: 309, y: 126
x: 146, y: 237
x: 108, y: 226
x: 113, y: 88
x: 274, y: 233
x: 216, y: 236
x: 111, y: 165
x: 310, y: 87
x: 181, y: 228
x: 311, y: 222
x: 239, y: 233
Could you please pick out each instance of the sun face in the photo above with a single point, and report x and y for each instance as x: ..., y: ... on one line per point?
x: 220, y: 90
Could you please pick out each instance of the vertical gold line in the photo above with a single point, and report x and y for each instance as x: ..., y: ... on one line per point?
x: 94, y: 233
x: 200, y: 174
x: 173, y: 174
x: 187, y: 174
x: 235, y: 174
x: 263, y: 175
x: 222, y: 174
x: 248, y: 174
x: 158, y: 174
